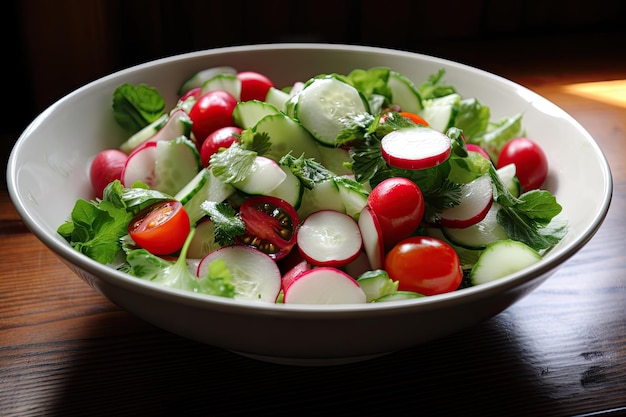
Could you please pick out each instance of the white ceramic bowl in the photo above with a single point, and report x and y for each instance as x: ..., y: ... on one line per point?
x: 47, y: 173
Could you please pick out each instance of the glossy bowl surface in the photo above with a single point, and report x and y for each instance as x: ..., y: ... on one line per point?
x: 47, y: 173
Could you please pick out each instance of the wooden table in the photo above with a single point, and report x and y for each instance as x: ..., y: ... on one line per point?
x: 65, y: 350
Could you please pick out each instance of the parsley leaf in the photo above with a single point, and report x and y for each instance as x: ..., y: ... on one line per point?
x: 232, y: 164
x: 226, y: 223
x: 258, y: 142
x: 309, y: 171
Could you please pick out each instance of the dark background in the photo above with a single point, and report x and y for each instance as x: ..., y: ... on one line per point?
x: 54, y: 47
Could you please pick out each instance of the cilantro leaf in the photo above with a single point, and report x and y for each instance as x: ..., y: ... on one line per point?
x: 258, y: 142
x: 232, y: 164
x: 309, y: 171
x: 226, y: 223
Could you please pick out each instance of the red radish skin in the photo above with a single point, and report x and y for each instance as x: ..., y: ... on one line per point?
x: 294, y: 272
x: 372, y: 236
x: 329, y: 238
x: 324, y: 285
x: 140, y: 165
x: 472, y: 147
x: 105, y: 168
x: 415, y: 148
x: 476, y: 200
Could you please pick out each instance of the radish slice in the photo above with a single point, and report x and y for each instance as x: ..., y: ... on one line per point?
x: 372, y: 236
x: 256, y: 276
x: 476, y: 200
x: 359, y: 266
x: 265, y: 175
x: 329, y: 238
x: 415, y: 148
x: 140, y: 165
x: 294, y: 272
x: 324, y: 285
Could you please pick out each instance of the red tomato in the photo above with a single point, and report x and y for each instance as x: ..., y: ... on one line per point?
x: 424, y: 265
x: 531, y: 163
x: 271, y: 225
x: 398, y: 204
x: 211, y: 111
x: 221, y: 138
x: 254, y: 86
x: 417, y: 119
x: 106, y: 167
x: 161, y: 228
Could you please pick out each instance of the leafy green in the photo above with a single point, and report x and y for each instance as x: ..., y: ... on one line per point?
x: 434, y: 87
x: 498, y: 133
x: 530, y: 218
x: 227, y: 224
x: 472, y: 118
x: 218, y: 281
x: 308, y: 170
x: 232, y: 164
x: 95, y: 229
x: 258, y: 142
x: 135, y: 107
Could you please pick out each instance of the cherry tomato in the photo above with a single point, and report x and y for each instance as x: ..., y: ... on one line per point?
x: 161, y: 228
x: 398, y: 205
x: 271, y: 225
x: 254, y: 86
x: 211, y: 111
x: 415, y: 118
x: 425, y: 265
x: 531, y: 163
x: 221, y: 138
x: 106, y: 167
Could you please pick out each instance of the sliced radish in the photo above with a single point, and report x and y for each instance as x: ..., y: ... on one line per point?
x: 472, y: 147
x: 264, y: 177
x: 324, y: 285
x: 372, y: 236
x: 475, y: 202
x: 329, y: 238
x: 256, y: 276
x: 294, y: 272
x: 359, y: 266
x: 415, y: 148
x: 140, y: 165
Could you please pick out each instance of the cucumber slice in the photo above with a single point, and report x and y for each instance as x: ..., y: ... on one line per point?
x: 323, y: 104
x: 178, y: 124
x: 247, y: 114
x: 277, y: 98
x: 507, y: 175
x: 286, y: 135
x: 200, y: 77
x: 177, y: 162
x: 203, y: 241
x: 398, y: 295
x: 440, y: 112
x: 265, y: 175
x: 334, y: 158
x: 502, y: 258
x: 203, y: 187
x: 404, y: 93
x: 478, y: 235
x: 376, y: 284
x: 225, y: 82
x: 290, y: 189
x: 353, y: 195
x: 325, y: 195
x: 144, y: 134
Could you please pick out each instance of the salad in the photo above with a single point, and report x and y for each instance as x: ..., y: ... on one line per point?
x: 343, y: 188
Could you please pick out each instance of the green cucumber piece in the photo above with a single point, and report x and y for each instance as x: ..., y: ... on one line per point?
x: 286, y: 136
x: 203, y: 187
x: 502, y: 258
x: 144, y: 134
x: 376, y: 284
x: 177, y: 162
x: 324, y: 195
x: 324, y: 103
x: 277, y: 98
x: 334, y: 158
x: 200, y: 77
x: 247, y: 114
x: 353, y: 196
x: 290, y: 189
x: 440, y: 112
x: 404, y: 93
x: 203, y: 240
x: 398, y: 295
x: 224, y: 82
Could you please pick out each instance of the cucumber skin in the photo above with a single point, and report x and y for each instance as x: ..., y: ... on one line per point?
x: 502, y: 258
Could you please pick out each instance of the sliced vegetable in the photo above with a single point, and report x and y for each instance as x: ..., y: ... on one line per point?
x: 162, y: 228
x: 502, y: 258
x: 324, y: 285
x: 415, y: 148
x: 475, y: 201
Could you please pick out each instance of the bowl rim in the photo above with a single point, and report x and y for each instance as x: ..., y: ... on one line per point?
x: 119, y: 279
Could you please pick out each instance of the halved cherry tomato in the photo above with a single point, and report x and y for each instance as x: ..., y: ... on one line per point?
x: 398, y: 204
x: 415, y: 118
x: 531, y: 163
x: 221, y: 138
x: 271, y: 225
x: 425, y: 265
x: 211, y: 111
x: 254, y: 86
x: 161, y: 228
